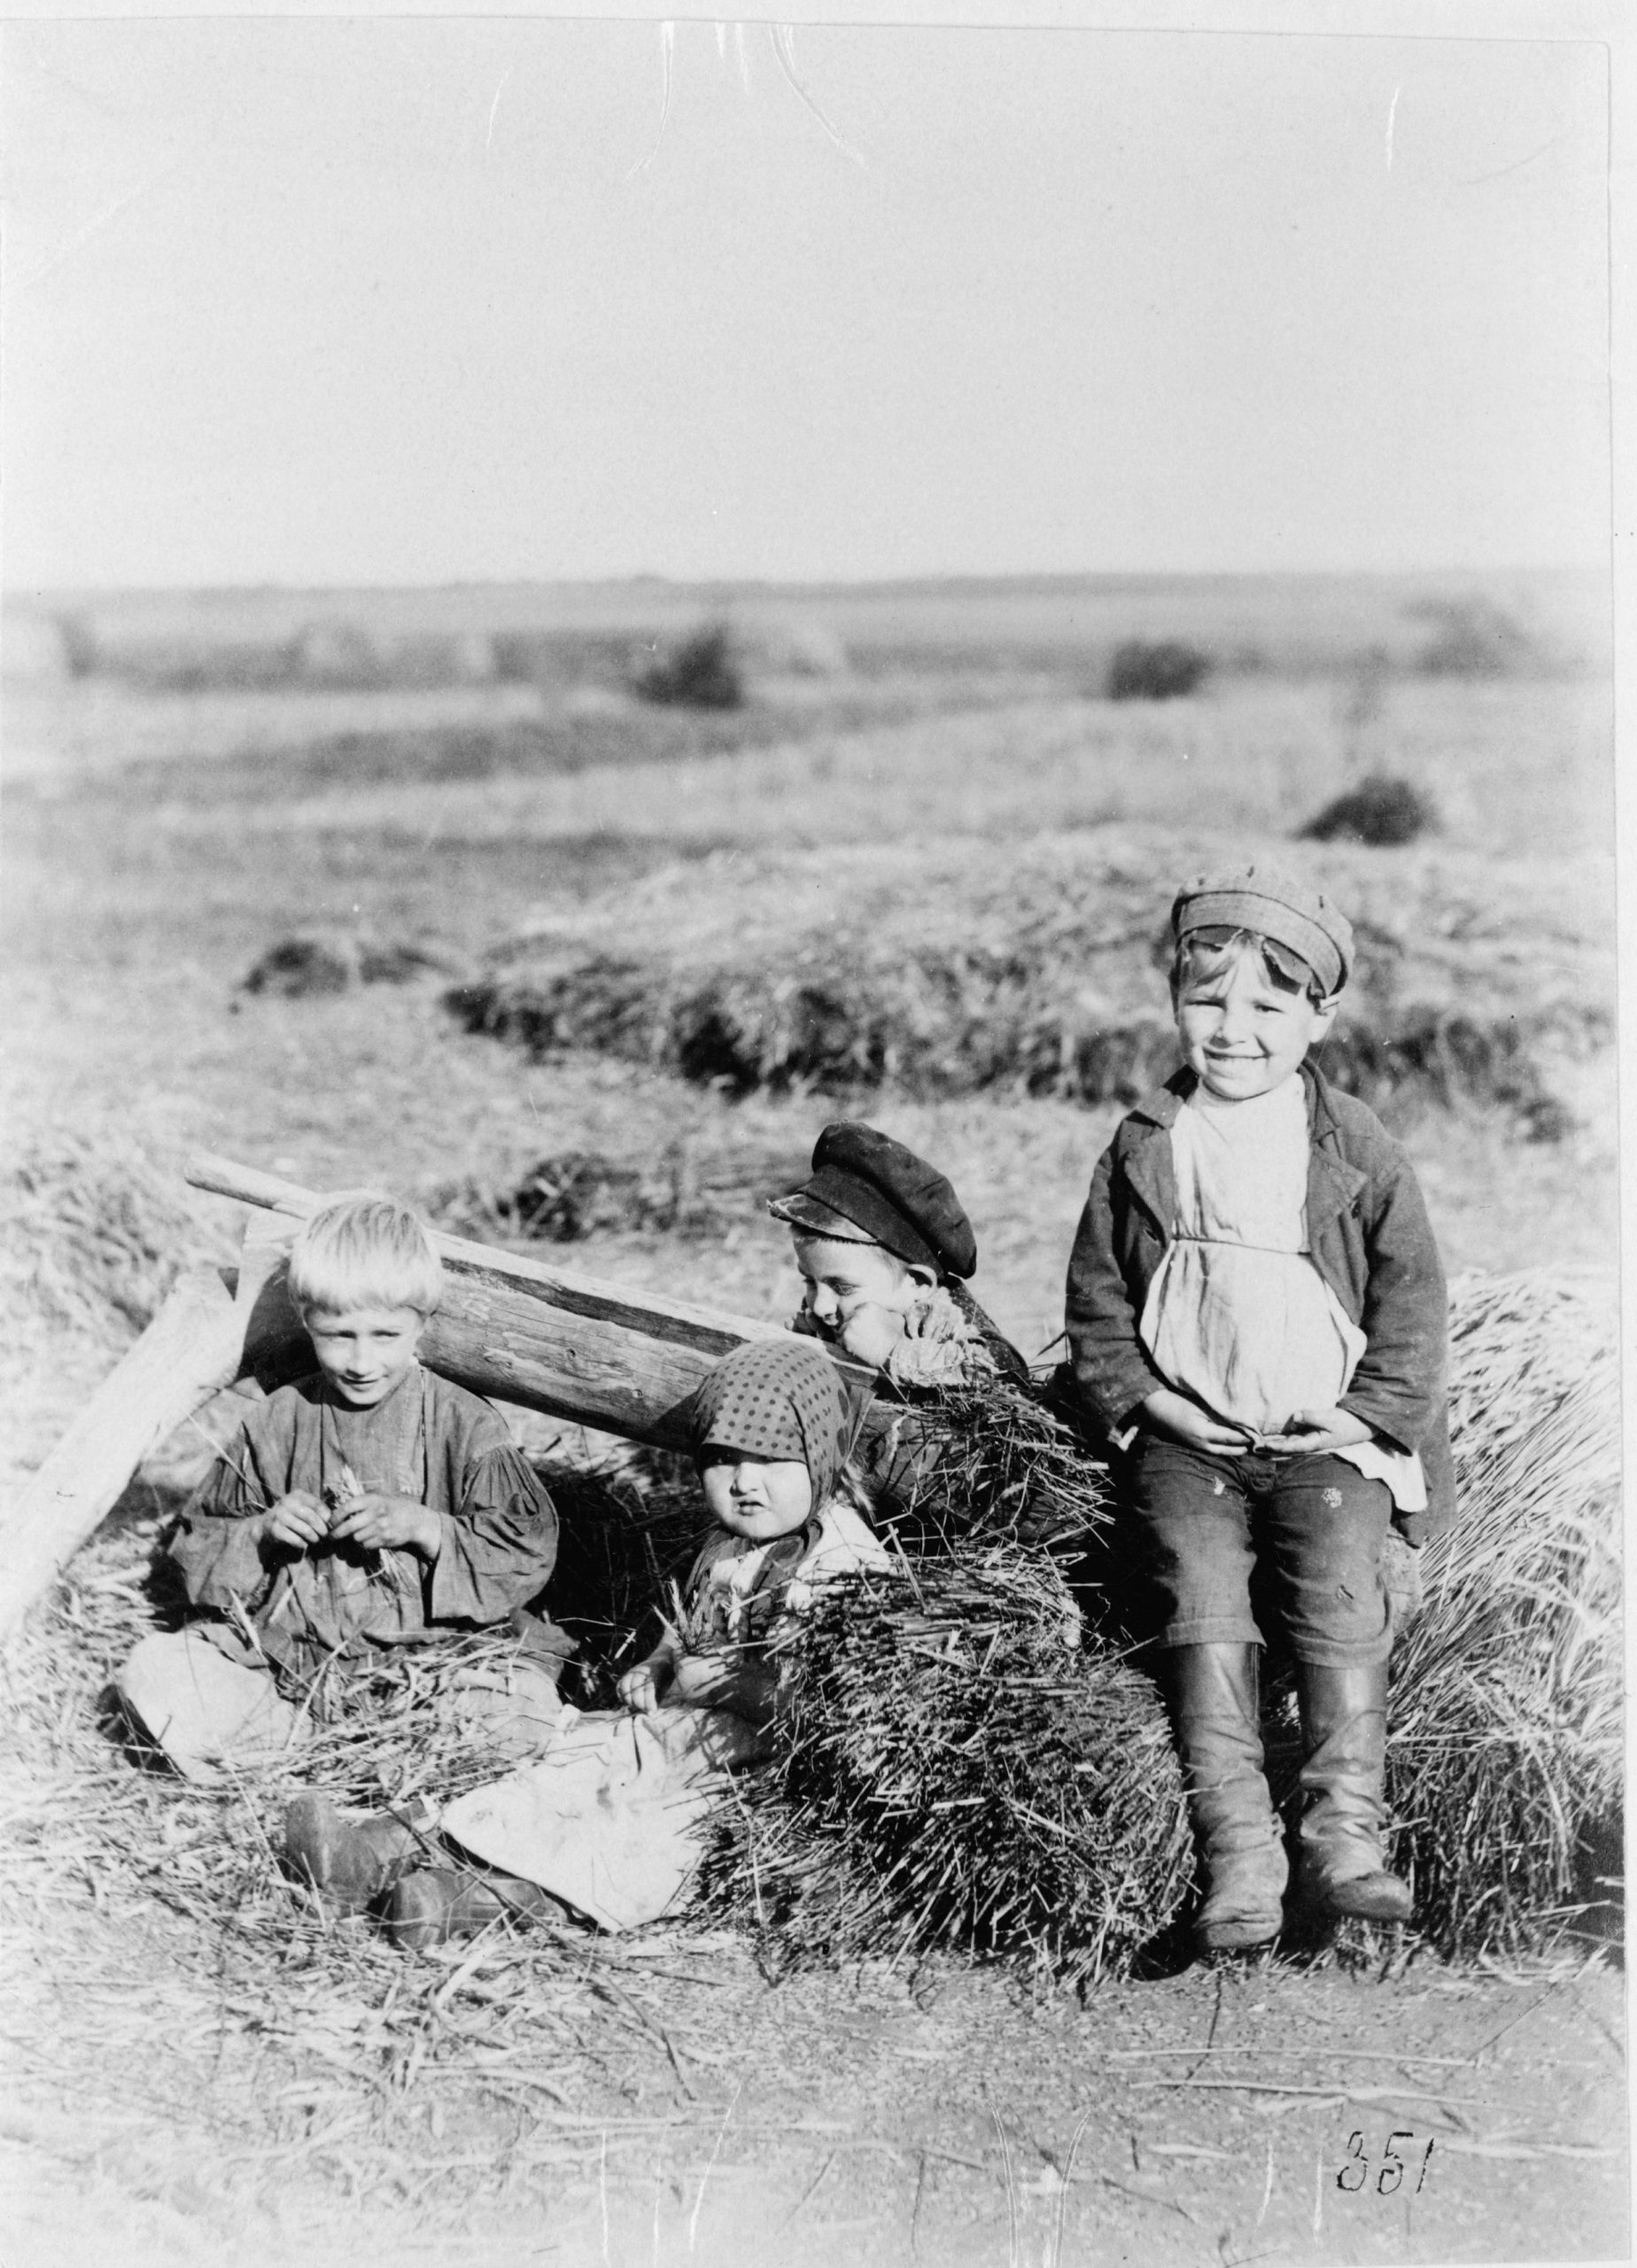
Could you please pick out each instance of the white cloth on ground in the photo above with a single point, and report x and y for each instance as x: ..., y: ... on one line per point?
x: 208, y: 1713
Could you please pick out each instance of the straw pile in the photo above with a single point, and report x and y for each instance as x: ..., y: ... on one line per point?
x: 237, y: 2032
x: 963, y: 1766
x: 686, y: 1188
x: 960, y: 1772
x: 1507, y: 1708
x: 92, y: 1237
x: 1039, y: 971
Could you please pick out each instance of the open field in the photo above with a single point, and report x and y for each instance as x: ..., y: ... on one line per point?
x: 934, y: 774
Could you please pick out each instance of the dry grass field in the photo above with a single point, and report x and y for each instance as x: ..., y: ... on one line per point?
x: 926, y: 804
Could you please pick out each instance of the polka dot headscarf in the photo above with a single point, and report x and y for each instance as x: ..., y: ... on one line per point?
x: 775, y: 1398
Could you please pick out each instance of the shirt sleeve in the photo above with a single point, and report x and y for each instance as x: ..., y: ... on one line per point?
x: 1399, y: 1385
x: 217, y: 1552
x: 499, y: 1547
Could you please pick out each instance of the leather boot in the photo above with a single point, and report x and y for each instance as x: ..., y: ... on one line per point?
x: 1344, y: 1731
x: 434, y: 1904
x: 1214, y: 1709
x: 350, y: 1861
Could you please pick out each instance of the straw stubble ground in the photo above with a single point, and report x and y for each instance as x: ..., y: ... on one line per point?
x: 263, y: 2092
x: 200, y: 2066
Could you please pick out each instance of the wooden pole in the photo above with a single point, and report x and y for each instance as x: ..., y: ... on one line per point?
x: 193, y: 1347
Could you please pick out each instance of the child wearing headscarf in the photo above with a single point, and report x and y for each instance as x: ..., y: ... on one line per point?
x: 606, y: 1821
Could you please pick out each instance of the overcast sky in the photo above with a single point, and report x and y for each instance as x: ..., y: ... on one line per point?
x: 406, y: 301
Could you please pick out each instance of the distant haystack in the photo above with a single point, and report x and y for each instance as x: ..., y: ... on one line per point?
x: 334, y: 654
x: 35, y: 648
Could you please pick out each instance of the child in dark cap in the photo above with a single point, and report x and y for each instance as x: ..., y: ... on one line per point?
x: 1256, y: 1314
x: 885, y: 1249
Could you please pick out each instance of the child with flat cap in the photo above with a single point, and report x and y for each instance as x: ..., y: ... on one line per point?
x: 885, y: 1249
x: 1256, y: 1313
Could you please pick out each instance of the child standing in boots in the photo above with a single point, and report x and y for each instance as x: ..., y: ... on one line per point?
x: 1256, y: 1313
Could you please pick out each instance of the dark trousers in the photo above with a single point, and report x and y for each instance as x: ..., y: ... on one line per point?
x: 1207, y: 1524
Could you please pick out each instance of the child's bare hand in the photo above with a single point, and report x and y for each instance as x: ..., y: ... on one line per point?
x: 641, y: 1688
x: 1317, y: 1431
x: 297, y: 1521
x: 1173, y: 1414
x: 378, y: 1523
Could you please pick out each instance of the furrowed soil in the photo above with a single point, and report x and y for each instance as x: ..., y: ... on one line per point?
x: 715, y: 2097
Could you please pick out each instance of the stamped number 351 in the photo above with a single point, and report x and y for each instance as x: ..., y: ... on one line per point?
x: 1390, y: 2173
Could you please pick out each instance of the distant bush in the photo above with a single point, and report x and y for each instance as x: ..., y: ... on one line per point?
x: 699, y: 671
x: 1473, y: 637
x: 1380, y: 811
x: 1161, y: 671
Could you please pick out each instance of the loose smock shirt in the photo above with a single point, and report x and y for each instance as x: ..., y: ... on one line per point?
x: 737, y: 1590
x: 1236, y: 1313
x: 429, y: 1440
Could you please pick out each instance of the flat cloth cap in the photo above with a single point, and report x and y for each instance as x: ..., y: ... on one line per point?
x: 867, y: 1188
x: 776, y: 1398
x: 1273, y: 904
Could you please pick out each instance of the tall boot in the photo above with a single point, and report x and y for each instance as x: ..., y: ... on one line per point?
x: 350, y: 1861
x: 434, y: 1904
x: 1344, y: 1731
x: 1214, y: 1709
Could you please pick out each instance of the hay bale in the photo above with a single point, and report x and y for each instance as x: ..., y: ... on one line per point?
x: 959, y: 1773
x: 1506, y: 1756
x: 1041, y: 970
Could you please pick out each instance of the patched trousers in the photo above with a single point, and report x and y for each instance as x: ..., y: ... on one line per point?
x: 1206, y: 1524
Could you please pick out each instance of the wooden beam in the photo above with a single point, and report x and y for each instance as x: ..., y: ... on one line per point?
x: 193, y: 1348
x: 573, y: 1346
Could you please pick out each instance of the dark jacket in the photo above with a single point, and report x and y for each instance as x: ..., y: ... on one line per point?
x: 1368, y: 1237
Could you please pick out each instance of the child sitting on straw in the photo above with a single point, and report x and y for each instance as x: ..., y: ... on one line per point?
x: 606, y: 1821
x: 885, y: 1250
x: 373, y: 1502
x: 1256, y: 1311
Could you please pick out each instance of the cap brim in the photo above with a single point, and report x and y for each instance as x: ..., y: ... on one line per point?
x: 801, y: 1211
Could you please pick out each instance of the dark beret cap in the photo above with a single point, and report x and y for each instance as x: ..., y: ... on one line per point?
x: 864, y: 1181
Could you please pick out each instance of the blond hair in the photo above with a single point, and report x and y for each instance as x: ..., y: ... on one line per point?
x: 365, y: 1251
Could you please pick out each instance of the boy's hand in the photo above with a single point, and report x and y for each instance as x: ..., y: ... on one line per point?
x: 1317, y: 1431
x: 378, y: 1523
x: 641, y: 1688
x: 297, y: 1521
x: 1173, y: 1414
